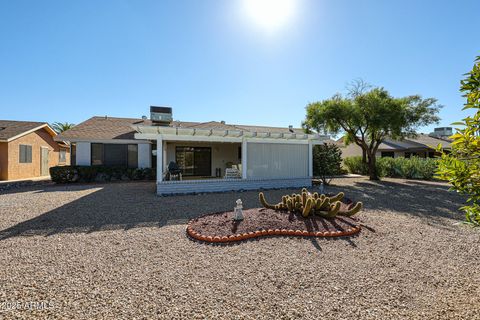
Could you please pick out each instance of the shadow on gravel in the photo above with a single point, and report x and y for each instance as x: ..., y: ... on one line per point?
x: 432, y: 201
x: 114, y: 206
x: 130, y: 205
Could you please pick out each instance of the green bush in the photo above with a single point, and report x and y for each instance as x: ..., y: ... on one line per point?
x: 327, y: 161
x: 407, y: 168
x: 355, y: 165
x: 69, y: 174
x: 461, y: 166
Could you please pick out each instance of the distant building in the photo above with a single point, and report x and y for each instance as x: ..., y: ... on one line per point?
x: 27, y: 150
x: 422, y: 145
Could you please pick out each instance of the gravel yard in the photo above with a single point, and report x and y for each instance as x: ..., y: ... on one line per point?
x: 118, y: 251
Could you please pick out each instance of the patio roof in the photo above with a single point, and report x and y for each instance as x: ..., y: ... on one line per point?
x: 218, y: 134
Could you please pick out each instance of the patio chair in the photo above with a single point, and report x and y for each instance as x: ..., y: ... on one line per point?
x: 173, y: 172
x: 232, y: 173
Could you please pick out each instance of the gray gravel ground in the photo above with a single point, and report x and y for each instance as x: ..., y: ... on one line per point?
x: 118, y: 251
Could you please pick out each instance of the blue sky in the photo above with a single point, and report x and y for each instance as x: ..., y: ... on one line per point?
x: 209, y: 60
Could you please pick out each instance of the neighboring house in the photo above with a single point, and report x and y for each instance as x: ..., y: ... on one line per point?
x: 27, y: 150
x: 422, y: 145
x: 266, y: 157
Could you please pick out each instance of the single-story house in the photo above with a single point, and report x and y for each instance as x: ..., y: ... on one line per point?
x: 422, y: 146
x: 28, y: 150
x: 264, y: 157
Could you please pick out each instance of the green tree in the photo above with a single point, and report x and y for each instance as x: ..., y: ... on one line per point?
x: 327, y: 161
x: 367, y: 117
x: 61, y: 127
x: 462, y: 166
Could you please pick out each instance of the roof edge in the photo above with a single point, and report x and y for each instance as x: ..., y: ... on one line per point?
x: 49, y: 129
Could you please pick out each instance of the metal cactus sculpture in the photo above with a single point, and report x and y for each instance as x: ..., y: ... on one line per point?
x: 307, y: 204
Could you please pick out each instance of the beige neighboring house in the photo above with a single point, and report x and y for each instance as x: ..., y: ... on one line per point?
x: 212, y: 156
x: 422, y: 145
x: 27, y: 150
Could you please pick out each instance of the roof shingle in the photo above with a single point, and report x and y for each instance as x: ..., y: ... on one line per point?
x: 10, y: 128
x: 107, y: 128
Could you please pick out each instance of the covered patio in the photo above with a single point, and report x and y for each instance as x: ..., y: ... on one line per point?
x: 264, y: 159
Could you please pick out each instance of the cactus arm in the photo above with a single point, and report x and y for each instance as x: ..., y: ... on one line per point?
x: 290, y: 205
x: 337, y: 197
x: 325, y: 203
x: 304, y: 199
x: 334, y: 208
x: 308, y: 208
x: 298, y: 199
x: 321, y: 204
x: 332, y: 211
x: 298, y: 206
x: 284, y: 202
x: 264, y: 203
x: 352, y: 210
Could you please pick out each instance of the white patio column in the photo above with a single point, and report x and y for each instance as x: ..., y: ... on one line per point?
x: 310, y: 158
x: 159, y: 160
x: 244, y: 159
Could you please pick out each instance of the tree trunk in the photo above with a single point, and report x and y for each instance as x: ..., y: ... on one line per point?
x: 364, y: 156
x: 372, y: 168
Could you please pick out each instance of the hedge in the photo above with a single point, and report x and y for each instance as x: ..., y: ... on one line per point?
x: 407, y: 168
x: 69, y: 174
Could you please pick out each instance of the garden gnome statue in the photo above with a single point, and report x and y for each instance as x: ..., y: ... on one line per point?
x: 238, y: 211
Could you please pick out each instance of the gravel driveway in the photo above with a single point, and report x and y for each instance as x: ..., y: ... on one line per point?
x: 118, y: 251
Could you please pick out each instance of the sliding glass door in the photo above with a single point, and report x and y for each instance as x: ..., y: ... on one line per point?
x: 194, y: 161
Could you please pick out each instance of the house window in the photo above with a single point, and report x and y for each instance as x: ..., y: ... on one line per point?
x: 62, y: 156
x: 97, y: 154
x: 388, y: 154
x: 194, y: 161
x: 132, y: 155
x: 115, y: 155
x: 25, y: 154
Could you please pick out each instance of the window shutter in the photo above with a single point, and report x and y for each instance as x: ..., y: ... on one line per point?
x: 21, y: 157
x: 29, y: 154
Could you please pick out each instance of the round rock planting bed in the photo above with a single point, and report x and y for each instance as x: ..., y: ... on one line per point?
x: 258, y: 222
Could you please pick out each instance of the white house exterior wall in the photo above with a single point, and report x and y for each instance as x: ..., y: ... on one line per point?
x: 267, y: 160
x: 144, y: 155
x: 83, y: 154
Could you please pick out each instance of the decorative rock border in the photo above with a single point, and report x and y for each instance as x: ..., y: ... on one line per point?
x: 269, y: 232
